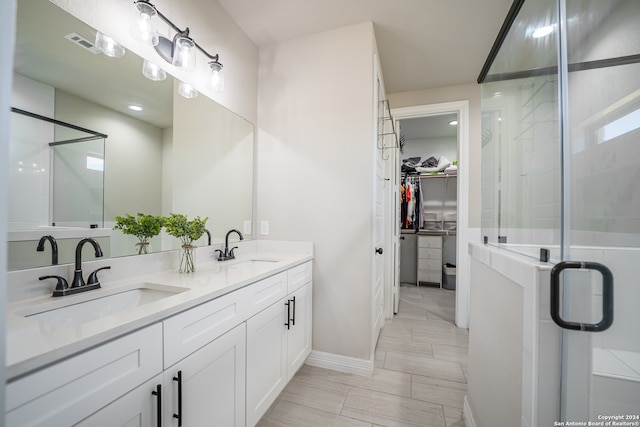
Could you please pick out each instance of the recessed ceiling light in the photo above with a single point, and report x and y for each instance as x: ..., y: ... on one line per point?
x: 542, y: 31
x: 135, y: 107
x: 453, y: 122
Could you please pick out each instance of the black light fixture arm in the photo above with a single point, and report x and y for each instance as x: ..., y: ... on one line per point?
x: 185, y: 32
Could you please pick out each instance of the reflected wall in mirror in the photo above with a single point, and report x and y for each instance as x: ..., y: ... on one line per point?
x: 179, y: 155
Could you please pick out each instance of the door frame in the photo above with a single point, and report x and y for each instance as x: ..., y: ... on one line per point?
x: 462, y: 243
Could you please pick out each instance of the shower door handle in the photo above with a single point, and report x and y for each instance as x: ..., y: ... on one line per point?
x: 607, y: 296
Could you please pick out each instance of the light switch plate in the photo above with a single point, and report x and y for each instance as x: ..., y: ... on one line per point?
x: 247, y: 227
x: 264, y: 228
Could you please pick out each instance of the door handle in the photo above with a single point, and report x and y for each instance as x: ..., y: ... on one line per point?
x: 607, y: 296
x: 158, y: 392
x: 178, y: 416
x: 293, y: 319
x: 288, y: 304
x: 379, y: 251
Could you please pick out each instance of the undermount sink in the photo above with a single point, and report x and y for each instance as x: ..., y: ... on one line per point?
x: 92, y: 305
x: 253, y: 263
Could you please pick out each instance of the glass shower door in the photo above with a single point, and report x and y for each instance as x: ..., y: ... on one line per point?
x: 600, y: 43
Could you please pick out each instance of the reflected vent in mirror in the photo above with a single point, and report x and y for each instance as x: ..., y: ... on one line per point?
x: 82, y: 42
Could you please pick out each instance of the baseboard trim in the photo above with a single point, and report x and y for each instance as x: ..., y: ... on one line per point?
x: 468, y: 415
x: 340, y: 363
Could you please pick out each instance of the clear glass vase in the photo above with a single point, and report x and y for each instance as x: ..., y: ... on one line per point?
x: 187, y: 259
x: 142, y: 247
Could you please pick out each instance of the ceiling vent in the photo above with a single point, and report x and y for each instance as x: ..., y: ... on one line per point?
x: 82, y: 42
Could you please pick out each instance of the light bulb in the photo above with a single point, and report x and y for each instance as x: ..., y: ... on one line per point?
x: 216, y: 79
x: 186, y: 91
x: 144, y: 26
x: 153, y: 71
x: 109, y: 46
x: 184, y: 53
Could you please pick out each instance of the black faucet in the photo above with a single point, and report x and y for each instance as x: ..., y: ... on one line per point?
x: 228, y: 254
x: 208, y: 237
x: 78, y: 284
x: 78, y: 280
x: 54, y: 247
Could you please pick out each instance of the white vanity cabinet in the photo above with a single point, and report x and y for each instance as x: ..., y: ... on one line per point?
x: 278, y: 342
x: 66, y: 393
x: 222, y: 363
x: 208, y: 387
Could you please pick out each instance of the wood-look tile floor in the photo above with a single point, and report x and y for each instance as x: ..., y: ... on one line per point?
x: 419, y: 377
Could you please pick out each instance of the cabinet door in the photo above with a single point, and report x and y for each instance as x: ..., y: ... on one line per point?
x: 69, y: 391
x: 299, y: 334
x: 266, y: 359
x: 207, y: 388
x: 138, y: 408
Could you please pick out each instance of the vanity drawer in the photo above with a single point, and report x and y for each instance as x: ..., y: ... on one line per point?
x: 188, y: 331
x: 428, y: 253
x: 429, y: 242
x: 298, y: 276
x: 71, y: 390
x: 262, y: 294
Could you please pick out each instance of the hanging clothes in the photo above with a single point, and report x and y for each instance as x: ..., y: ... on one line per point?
x: 411, y: 205
x: 417, y: 196
x: 403, y: 205
x: 419, y: 207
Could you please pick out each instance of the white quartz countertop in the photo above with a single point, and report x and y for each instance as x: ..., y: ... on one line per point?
x: 32, y: 344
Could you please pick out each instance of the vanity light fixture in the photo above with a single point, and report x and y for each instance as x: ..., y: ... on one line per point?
x: 453, y: 122
x: 153, y: 71
x: 179, y: 51
x: 135, y: 107
x: 109, y: 46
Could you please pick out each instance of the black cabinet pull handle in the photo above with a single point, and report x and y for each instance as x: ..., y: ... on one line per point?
x: 379, y: 251
x: 288, y: 324
x: 607, y: 296
x: 158, y: 392
x: 293, y: 319
x: 179, y: 414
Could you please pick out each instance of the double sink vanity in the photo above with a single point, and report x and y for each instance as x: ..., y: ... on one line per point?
x: 163, y: 348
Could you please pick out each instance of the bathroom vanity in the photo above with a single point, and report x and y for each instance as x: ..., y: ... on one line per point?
x: 218, y: 344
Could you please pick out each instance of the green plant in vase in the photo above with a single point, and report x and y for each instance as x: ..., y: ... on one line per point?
x: 144, y: 227
x: 177, y: 225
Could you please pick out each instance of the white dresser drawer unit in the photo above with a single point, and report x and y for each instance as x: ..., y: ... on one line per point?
x: 429, y: 259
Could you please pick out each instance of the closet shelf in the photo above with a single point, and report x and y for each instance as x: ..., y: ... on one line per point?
x: 430, y: 175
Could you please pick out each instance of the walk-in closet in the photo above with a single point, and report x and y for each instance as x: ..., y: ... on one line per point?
x: 428, y: 200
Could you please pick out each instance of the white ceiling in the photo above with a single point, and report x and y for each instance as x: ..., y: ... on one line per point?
x: 422, y: 44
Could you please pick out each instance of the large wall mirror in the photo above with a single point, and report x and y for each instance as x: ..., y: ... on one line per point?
x: 189, y: 156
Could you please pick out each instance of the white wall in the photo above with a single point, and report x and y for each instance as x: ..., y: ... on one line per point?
x: 314, y: 171
x: 471, y: 93
x: 210, y: 26
x: 130, y: 185
x: 428, y: 147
